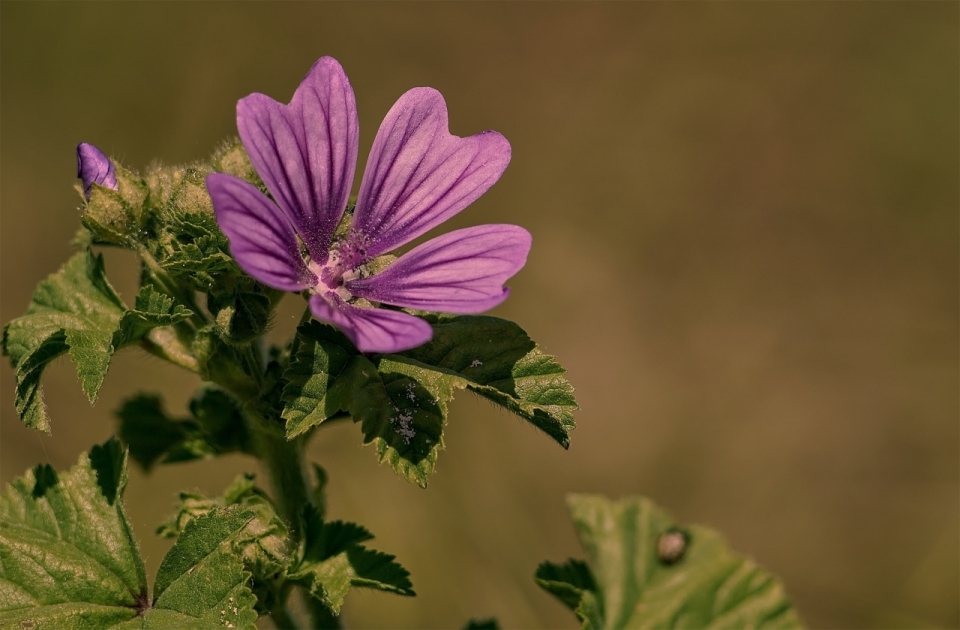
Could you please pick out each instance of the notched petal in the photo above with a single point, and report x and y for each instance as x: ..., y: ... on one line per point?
x: 419, y: 174
x: 306, y: 152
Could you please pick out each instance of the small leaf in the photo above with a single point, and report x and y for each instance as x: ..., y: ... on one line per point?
x: 567, y: 582
x: 77, y: 310
x: 68, y: 556
x: 629, y: 584
x: 333, y: 561
x: 153, y: 309
x: 400, y: 400
x: 263, y: 544
x: 317, y: 377
x: 496, y: 359
x: 215, y: 427
x: 201, y: 582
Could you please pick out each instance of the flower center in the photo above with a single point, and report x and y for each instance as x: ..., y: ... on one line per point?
x: 342, y: 264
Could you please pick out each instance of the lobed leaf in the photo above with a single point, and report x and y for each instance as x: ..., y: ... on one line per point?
x: 263, y: 544
x: 151, y: 310
x: 333, y: 561
x: 68, y: 556
x: 400, y: 400
x: 68, y: 559
x: 645, y: 572
x: 495, y: 358
x: 214, y: 427
x: 201, y: 582
x: 76, y: 310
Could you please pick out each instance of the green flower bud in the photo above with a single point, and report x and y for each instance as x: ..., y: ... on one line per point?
x: 115, y: 216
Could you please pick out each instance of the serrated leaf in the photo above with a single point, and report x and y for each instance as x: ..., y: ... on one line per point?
x: 68, y: 556
x: 152, y: 309
x: 496, y: 359
x: 215, y: 427
x: 263, y: 545
x: 648, y: 573
x: 567, y: 582
x: 401, y: 399
x: 73, y: 310
x: 77, y: 311
x: 201, y: 582
x: 333, y: 561
x: 316, y: 376
x: 192, y: 247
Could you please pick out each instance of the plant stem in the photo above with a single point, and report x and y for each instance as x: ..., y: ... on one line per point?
x: 282, y: 618
x: 283, y: 460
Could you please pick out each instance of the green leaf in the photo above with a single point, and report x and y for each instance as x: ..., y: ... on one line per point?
x: 567, y: 582
x: 496, y: 359
x: 77, y: 310
x: 645, y: 572
x: 263, y: 544
x: 191, y: 246
x: 317, y: 376
x: 201, y: 582
x: 333, y: 561
x: 241, y: 308
x: 152, y: 309
x: 69, y: 559
x: 401, y: 400
x: 215, y: 427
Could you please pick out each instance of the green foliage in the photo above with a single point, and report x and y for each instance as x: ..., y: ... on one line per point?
x: 329, y: 561
x: 215, y: 427
x: 77, y: 311
x: 263, y: 545
x: 115, y: 217
x: 401, y: 400
x: 645, y: 572
x: 151, y: 310
x: 70, y: 559
x: 333, y: 560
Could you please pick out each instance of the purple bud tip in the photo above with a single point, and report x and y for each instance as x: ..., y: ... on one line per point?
x: 93, y: 167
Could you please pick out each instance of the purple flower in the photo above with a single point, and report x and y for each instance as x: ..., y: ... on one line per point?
x: 418, y: 175
x: 93, y: 167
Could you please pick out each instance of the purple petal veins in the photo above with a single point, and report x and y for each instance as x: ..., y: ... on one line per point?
x: 418, y: 175
x: 459, y: 272
x: 261, y: 238
x: 93, y: 167
x: 306, y: 152
x: 373, y: 329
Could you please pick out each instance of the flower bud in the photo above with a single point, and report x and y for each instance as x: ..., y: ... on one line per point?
x: 115, y: 197
x: 93, y: 167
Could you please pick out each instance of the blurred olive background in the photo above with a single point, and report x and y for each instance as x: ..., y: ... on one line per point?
x: 745, y: 221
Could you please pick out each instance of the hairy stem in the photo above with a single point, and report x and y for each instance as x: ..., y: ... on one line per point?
x: 283, y: 460
x: 282, y: 618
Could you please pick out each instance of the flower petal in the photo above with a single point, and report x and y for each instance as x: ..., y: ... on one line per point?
x: 419, y: 175
x: 93, y: 167
x: 459, y: 272
x: 261, y: 238
x: 306, y: 152
x: 373, y: 329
